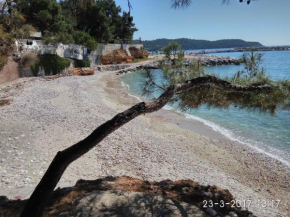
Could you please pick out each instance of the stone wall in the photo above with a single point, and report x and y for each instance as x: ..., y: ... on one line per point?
x: 63, y: 50
x: 109, y: 48
x: 72, y: 51
x: 139, y: 46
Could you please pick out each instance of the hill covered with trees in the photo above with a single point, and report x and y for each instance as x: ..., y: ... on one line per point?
x: 190, y: 44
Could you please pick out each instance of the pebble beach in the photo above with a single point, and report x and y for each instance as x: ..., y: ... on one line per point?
x: 44, y: 116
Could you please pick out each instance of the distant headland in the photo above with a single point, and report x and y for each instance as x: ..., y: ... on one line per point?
x: 190, y: 44
x: 246, y: 49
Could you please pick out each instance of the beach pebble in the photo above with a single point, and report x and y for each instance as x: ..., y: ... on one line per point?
x: 211, y: 212
x: 233, y: 214
x: 185, y: 189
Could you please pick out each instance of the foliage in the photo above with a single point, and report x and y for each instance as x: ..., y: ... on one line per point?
x: 82, y: 63
x: 252, y: 63
x: 45, y: 15
x: 139, y: 60
x: 69, y: 21
x: 5, y: 46
x: 85, y: 39
x: 78, y: 37
x: 11, y: 26
x: 100, y: 19
x: 264, y: 101
x: 190, y: 44
x: 4, y: 37
x: 275, y: 96
x: 125, y: 28
x: 61, y: 37
x: 97, y: 20
x: 172, y: 50
x: 180, y: 3
x: 3, y: 60
x: 35, y: 69
x: 50, y: 63
x: 23, y: 32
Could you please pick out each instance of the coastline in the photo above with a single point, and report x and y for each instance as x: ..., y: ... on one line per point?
x: 219, y: 130
x: 170, y: 146
x: 241, y: 158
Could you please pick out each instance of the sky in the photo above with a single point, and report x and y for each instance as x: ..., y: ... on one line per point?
x: 265, y: 21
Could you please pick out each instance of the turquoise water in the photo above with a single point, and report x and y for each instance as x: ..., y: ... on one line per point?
x: 266, y: 133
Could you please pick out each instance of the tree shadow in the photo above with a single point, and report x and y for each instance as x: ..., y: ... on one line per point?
x: 132, y: 204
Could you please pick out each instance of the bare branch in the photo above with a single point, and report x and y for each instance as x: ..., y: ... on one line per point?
x: 129, y: 6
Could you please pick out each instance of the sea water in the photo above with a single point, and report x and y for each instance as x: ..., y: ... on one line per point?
x: 263, y: 132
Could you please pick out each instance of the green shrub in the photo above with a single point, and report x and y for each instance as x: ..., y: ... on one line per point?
x: 78, y: 37
x: 85, y: 39
x: 82, y: 63
x: 50, y: 63
x: 35, y: 69
x: 139, y: 60
x: 3, y: 60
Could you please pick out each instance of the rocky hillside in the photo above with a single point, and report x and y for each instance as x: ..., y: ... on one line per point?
x: 123, y: 56
x: 116, y: 56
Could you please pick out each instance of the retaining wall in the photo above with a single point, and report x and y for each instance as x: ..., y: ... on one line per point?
x: 72, y: 51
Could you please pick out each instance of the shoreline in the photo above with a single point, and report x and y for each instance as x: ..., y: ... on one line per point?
x: 200, y: 128
x: 155, y: 147
x: 216, y: 133
x: 197, y: 127
x: 213, y: 130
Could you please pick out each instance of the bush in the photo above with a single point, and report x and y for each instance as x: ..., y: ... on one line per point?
x: 82, y: 63
x: 50, y: 63
x: 139, y: 60
x: 78, y: 37
x: 3, y: 60
x: 35, y: 69
x: 85, y: 39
